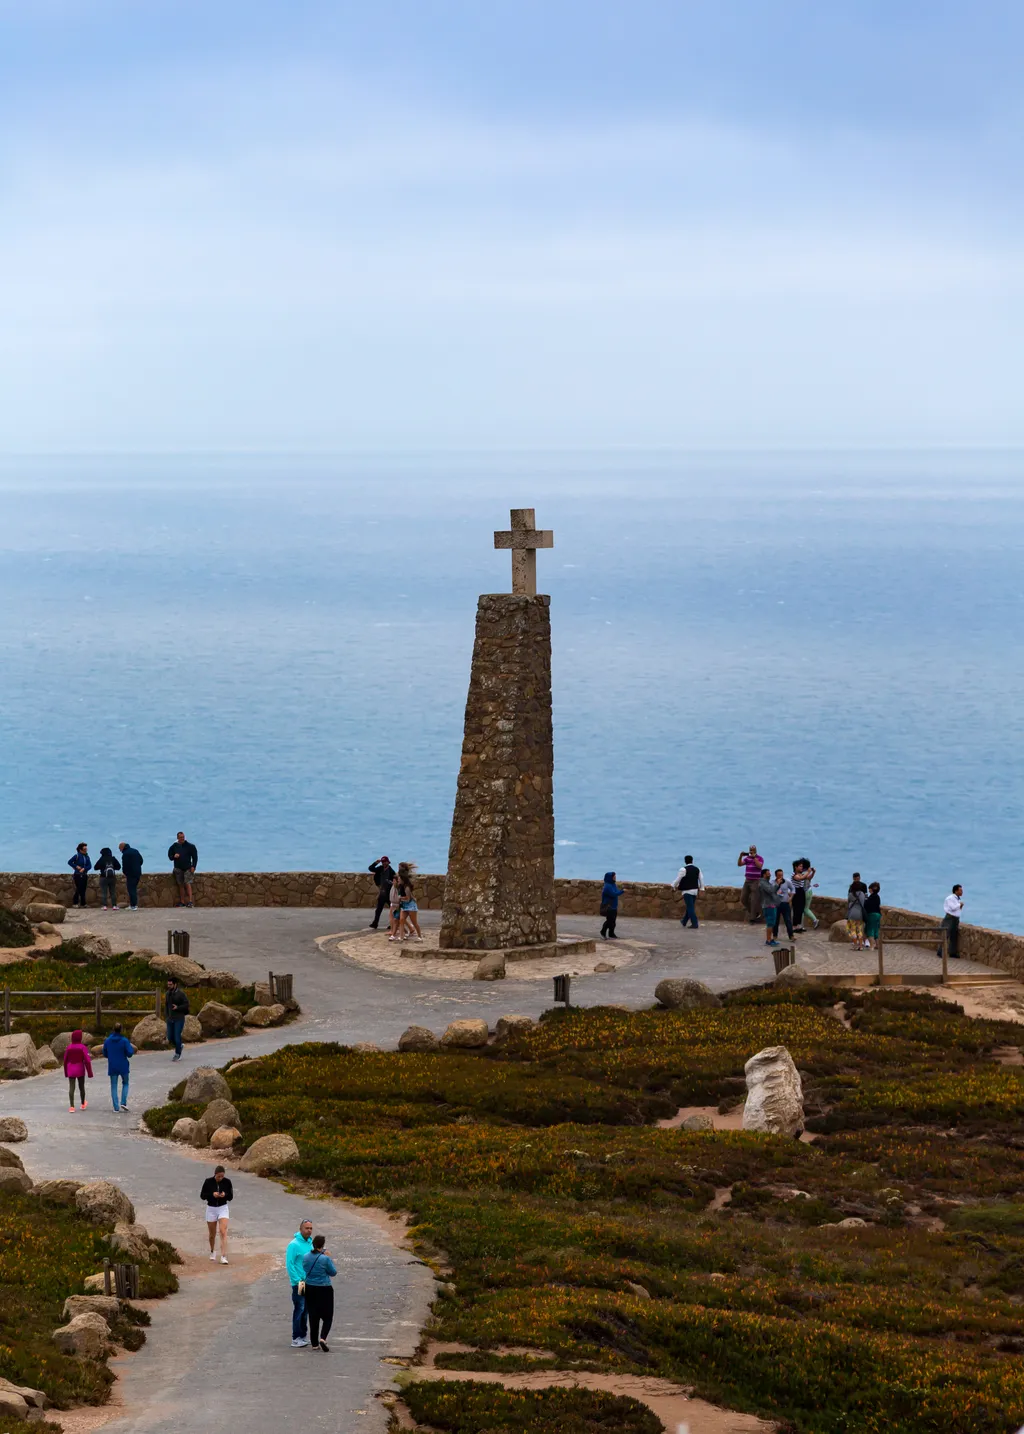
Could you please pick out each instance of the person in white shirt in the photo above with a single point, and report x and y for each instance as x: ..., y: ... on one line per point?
x: 952, y: 907
x: 689, y: 883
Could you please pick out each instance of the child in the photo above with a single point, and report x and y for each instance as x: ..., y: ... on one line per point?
x: 872, y: 914
x: 610, y: 894
x: 77, y: 1064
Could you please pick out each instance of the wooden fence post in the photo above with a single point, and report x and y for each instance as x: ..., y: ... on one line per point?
x: 881, y: 958
x: 106, y: 1276
x: 7, y: 1010
x: 945, y: 954
x: 98, y: 1014
x: 156, y: 1002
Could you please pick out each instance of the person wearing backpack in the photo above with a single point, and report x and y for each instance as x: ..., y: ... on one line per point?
x: 108, y: 866
x: 319, y: 1269
x: 855, y: 899
x: 689, y: 883
x: 77, y: 1065
x: 118, y: 1050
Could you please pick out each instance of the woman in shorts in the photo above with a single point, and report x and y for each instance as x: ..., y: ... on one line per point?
x: 410, y: 918
x: 217, y: 1195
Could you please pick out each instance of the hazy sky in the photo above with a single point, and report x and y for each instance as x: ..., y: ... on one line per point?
x: 323, y: 224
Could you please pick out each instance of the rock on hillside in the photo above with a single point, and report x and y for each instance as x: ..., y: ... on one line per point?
x: 12, y: 1129
x: 18, y: 1055
x: 682, y: 994
x: 418, y: 1038
x: 775, y: 1096
x: 271, y: 1152
x: 217, y: 1019
x: 87, y: 1335
x: 205, y: 1084
x: 465, y: 1035
x: 104, y: 1202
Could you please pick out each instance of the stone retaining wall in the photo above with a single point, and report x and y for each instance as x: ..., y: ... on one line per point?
x: 1001, y: 949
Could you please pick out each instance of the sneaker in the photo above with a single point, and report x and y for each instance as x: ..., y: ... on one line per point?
x: 124, y: 1108
x: 774, y: 943
x: 72, y: 1109
x: 115, y: 908
x: 223, y: 1259
x: 133, y: 908
x: 104, y: 908
x: 117, y: 1110
x: 85, y: 1104
x: 176, y: 1058
x: 213, y: 1255
x: 299, y: 1343
x: 190, y: 904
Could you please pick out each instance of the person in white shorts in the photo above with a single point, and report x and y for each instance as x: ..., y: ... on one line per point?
x: 217, y: 1194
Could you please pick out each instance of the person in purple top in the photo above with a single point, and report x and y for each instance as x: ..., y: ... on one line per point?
x: 751, y: 897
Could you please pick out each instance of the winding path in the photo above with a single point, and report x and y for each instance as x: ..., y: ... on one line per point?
x: 219, y: 1355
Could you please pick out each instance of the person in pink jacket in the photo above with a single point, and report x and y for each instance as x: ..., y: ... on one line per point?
x: 77, y: 1065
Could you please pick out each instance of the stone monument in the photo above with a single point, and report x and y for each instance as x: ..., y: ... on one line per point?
x: 499, y: 891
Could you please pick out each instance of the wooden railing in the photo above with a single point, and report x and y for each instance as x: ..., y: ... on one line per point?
x: 96, y: 1011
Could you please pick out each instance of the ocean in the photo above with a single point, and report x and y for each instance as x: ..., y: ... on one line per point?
x: 819, y: 652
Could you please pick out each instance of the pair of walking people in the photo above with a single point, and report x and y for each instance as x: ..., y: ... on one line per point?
x: 117, y: 1049
x: 310, y: 1271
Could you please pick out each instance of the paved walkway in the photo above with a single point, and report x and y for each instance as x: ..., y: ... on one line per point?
x: 220, y: 1348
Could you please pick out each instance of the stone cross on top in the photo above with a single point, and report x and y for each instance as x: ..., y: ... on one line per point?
x: 524, y: 540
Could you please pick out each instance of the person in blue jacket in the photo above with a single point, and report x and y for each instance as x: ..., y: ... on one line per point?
x: 131, y: 865
x: 610, y: 894
x: 319, y: 1269
x: 298, y: 1248
x: 81, y: 865
x: 118, y: 1050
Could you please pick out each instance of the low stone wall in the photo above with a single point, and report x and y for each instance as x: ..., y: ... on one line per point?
x: 355, y: 889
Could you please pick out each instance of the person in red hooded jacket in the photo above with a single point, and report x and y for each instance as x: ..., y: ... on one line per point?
x: 77, y: 1065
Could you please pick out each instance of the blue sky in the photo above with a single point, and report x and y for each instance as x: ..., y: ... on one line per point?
x: 479, y: 223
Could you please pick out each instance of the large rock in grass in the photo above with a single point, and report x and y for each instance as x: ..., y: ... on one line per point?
x: 510, y: 1025
x: 185, y: 971
x: 9, y: 1159
x: 225, y: 1137
x: 18, y: 1055
x: 13, y: 1408
x: 11, y: 1178
x: 58, y: 1192
x: 792, y: 976
x: 184, y: 1129
x: 28, y: 897
x: 418, y: 1038
x: 60, y: 1043
x: 205, y: 1084
x: 682, y: 994
x: 465, y: 1035
x: 271, y: 1152
x: 265, y: 1015
x: 150, y: 1034
x: 34, y: 1398
x: 49, y: 911
x: 87, y: 1335
x: 12, y: 1129
x: 104, y: 1202
x: 775, y: 1096
x: 221, y: 980
x: 95, y: 946
x: 217, y: 1019
x: 47, y: 1060
x: 219, y: 1112
x: 130, y: 1241
x: 108, y: 1307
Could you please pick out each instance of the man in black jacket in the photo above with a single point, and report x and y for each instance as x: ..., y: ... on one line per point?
x: 176, y: 1008
x: 185, y: 859
x: 383, y: 876
x: 131, y: 865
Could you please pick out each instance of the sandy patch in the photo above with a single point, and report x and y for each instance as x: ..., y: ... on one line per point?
x: 1004, y: 1002
x: 11, y: 955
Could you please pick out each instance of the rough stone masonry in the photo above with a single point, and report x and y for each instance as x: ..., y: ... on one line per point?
x: 500, y: 890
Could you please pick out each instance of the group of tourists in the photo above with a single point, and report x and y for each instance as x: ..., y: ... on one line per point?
x: 182, y: 854
x: 396, y: 890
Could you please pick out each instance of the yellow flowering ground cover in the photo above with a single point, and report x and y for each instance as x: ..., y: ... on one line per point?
x: 46, y: 1251
x: 567, y: 1221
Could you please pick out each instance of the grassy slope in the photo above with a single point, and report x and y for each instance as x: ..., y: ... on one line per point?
x: 534, y: 1172
x: 46, y: 1251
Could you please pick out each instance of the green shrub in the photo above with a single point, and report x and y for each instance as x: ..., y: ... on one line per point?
x: 467, y: 1407
x: 15, y: 929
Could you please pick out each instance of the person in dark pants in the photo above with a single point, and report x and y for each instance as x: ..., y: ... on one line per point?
x: 872, y: 914
x: 784, y: 893
x: 299, y: 1247
x: 77, y: 1065
x: 383, y: 876
x: 690, y: 883
x: 108, y: 866
x: 951, y: 909
x: 176, y: 1008
x: 610, y: 894
x: 184, y: 858
x: 766, y: 899
x: 81, y: 865
x: 320, y: 1270
x: 131, y: 865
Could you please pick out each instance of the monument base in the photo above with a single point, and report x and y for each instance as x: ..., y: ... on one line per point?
x: 563, y: 947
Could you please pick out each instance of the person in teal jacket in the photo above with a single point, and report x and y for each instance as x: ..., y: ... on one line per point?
x: 298, y: 1248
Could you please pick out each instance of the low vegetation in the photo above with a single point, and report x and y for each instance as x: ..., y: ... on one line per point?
x: 46, y: 1252
x: 474, y: 1408
x: 67, y: 969
x: 564, y: 1220
x: 15, y: 930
